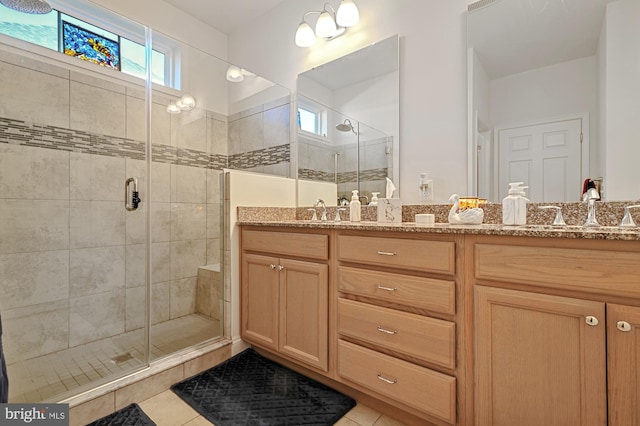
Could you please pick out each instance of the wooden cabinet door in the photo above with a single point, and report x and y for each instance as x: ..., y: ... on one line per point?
x: 259, y: 309
x: 304, y: 305
x: 623, y: 358
x: 538, y: 361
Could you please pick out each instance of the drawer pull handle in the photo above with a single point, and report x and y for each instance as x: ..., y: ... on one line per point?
x: 384, y: 379
x: 386, y: 253
x: 381, y: 287
x: 384, y: 330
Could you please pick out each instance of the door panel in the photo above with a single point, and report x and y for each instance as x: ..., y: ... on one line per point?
x: 538, y: 362
x: 260, y: 300
x: 623, y: 358
x: 546, y: 157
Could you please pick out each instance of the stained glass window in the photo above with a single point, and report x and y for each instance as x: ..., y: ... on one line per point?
x: 78, y: 38
x: 89, y: 46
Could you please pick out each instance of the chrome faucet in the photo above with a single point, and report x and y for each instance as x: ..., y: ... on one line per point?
x: 366, y: 202
x: 320, y: 203
x: 627, y: 219
x: 590, y: 196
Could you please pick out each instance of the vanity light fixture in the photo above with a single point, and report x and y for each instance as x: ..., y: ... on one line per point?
x: 185, y: 103
x: 236, y: 74
x: 172, y: 108
x: 328, y: 25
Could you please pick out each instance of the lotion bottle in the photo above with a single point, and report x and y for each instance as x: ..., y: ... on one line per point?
x: 354, y: 207
x: 509, y: 204
x: 521, y: 206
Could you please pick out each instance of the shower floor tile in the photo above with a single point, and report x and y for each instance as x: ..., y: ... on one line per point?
x: 59, y: 375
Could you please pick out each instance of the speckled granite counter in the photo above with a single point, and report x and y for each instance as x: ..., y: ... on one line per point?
x: 609, y: 214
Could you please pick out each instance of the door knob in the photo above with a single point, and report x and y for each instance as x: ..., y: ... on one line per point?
x: 591, y: 320
x: 623, y: 326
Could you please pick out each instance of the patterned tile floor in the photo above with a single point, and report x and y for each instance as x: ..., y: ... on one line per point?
x: 61, y: 374
x: 167, y: 409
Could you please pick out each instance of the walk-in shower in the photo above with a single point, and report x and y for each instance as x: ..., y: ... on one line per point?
x: 93, y: 287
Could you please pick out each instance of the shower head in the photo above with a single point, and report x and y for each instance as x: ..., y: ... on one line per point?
x: 343, y: 127
x: 28, y: 6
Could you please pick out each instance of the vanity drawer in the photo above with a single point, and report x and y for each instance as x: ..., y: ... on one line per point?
x: 419, y: 337
x: 592, y: 271
x: 418, y: 387
x: 420, y: 255
x: 314, y: 246
x: 426, y: 293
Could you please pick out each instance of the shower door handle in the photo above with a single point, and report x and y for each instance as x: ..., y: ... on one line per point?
x: 131, y: 195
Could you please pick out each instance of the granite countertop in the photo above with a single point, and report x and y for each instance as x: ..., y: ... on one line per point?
x: 547, y: 231
x: 538, y: 221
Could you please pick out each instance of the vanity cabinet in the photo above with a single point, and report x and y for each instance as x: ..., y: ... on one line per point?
x: 623, y: 361
x: 396, y: 325
x: 555, y: 328
x: 284, y: 293
x: 539, y: 360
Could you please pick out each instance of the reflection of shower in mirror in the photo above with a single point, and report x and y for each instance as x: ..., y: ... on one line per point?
x: 346, y: 126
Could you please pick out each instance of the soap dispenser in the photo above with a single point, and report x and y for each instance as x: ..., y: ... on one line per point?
x: 521, y: 206
x: 510, y: 204
x: 354, y: 207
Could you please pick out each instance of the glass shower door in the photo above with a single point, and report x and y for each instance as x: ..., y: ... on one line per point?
x: 72, y: 256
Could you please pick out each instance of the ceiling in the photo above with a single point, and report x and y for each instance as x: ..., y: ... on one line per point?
x: 511, y: 36
x: 225, y: 15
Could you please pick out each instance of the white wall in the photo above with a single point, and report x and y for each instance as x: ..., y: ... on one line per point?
x: 622, y: 94
x: 172, y: 22
x: 433, y: 88
x: 543, y: 93
x: 481, y: 91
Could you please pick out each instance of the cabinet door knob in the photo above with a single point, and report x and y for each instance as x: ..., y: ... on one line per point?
x: 280, y: 267
x: 384, y: 379
x: 272, y: 266
x: 591, y: 320
x: 623, y: 326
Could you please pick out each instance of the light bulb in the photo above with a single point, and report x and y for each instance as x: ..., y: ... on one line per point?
x: 172, y: 108
x: 325, y: 26
x: 234, y: 74
x: 186, y: 103
x: 305, y: 37
x: 347, y: 15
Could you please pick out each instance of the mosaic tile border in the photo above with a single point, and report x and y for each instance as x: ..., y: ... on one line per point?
x: 261, y: 157
x: 18, y: 132
x: 344, y: 177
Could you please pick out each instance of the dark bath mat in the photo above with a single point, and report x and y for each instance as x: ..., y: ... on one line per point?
x: 131, y: 415
x: 250, y: 389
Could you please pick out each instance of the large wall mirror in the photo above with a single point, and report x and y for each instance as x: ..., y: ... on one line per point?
x: 348, y: 125
x: 553, y: 89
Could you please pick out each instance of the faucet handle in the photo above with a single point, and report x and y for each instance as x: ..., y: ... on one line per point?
x: 337, y: 218
x: 627, y: 219
x: 315, y: 214
x: 559, y: 220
